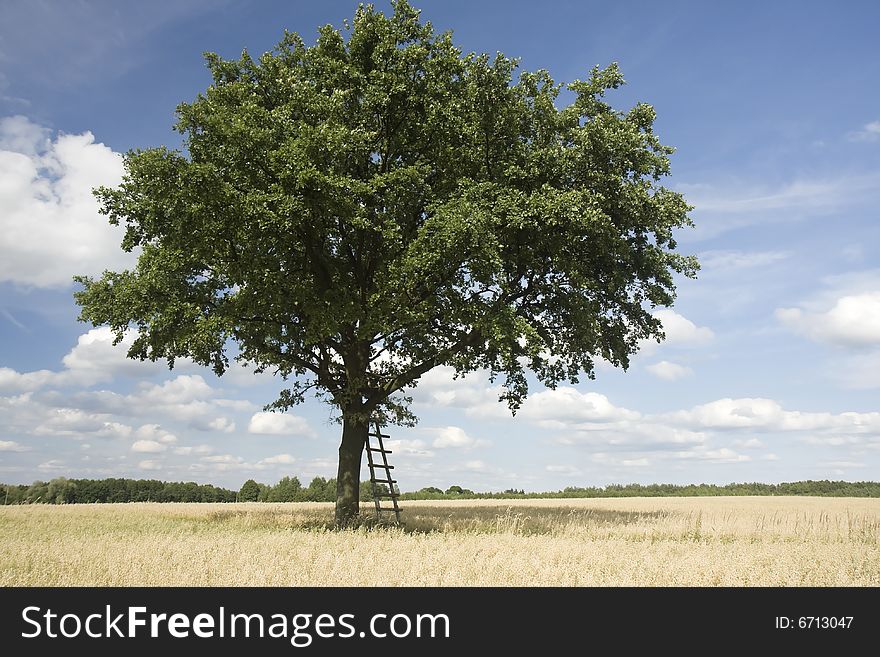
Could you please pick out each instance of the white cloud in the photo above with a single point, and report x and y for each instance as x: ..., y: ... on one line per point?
x: 222, y: 424
x: 12, y: 446
x: 279, y: 424
x: 154, y: 432
x: 223, y: 458
x: 722, y: 455
x: 439, y: 387
x: 680, y: 330
x: 869, y: 132
x: 150, y: 464
x: 669, y: 371
x: 566, y: 405
x: 93, y: 359
x: 853, y: 321
x: 53, y: 465
x: 198, y: 449
x: 406, y: 447
x: 14, y: 382
x: 148, y: 446
x: 179, y: 390
x: 451, y: 437
x: 768, y: 414
x: 50, y: 228
x: 279, y: 459
x: 225, y: 463
x: 20, y: 135
x: 75, y: 423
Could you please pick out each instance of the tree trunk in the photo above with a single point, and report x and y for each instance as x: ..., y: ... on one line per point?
x: 348, y: 477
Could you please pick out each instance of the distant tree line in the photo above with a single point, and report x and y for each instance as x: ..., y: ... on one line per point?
x: 289, y: 489
x: 823, y: 488
x: 72, y: 491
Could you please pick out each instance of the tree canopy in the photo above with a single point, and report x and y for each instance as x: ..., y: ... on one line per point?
x: 354, y: 213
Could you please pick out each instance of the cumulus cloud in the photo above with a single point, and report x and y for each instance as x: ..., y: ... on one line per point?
x: 680, y: 330
x: 12, y: 446
x: 853, y: 321
x: 408, y: 447
x: 439, y: 387
x: 869, y: 132
x: 566, y: 405
x: 451, y: 437
x: 279, y: 459
x: 77, y: 423
x: 222, y: 424
x: 12, y: 381
x: 220, y: 463
x: 722, y: 455
x: 197, y: 449
x: 223, y: 458
x: 148, y: 446
x: 94, y: 359
x: 768, y: 414
x: 155, y: 433
x: 50, y: 228
x: 669, y: 371
x: 179, y: 390
x: 279, y: 424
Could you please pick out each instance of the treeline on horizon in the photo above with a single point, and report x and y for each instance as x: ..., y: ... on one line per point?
x: 289, y: 489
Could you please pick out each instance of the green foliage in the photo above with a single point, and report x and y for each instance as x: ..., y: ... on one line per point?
x: 822, y: 488
x: 289, y: 489
x: 355, y: 213
x: 67, y: 491
x: 250, y: 491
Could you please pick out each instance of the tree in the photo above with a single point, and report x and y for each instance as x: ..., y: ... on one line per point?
x: 352, y: 214
x: 286, y: 490
x: 250, y: 491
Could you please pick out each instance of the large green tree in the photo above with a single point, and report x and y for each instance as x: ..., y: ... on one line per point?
x: 355, y: 213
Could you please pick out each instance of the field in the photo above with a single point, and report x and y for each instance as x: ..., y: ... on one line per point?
x: 717, y: 541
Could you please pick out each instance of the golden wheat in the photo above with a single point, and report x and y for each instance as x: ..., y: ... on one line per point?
x: 727, y: 541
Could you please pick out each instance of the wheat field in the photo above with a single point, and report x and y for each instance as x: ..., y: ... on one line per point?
x: 717, y: 541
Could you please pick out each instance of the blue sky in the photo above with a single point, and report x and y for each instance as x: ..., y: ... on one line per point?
x: 771, y: 370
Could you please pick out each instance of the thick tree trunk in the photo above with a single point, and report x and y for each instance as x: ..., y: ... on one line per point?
x: 348, y: 477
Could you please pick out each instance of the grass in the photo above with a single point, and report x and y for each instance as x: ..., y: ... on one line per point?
x: 709, y: 541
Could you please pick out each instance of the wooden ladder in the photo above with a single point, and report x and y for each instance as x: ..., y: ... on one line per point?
x: 385, y: 478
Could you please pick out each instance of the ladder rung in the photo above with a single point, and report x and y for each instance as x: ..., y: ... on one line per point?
x: 395, y: 495
x: 385, y: 481
x: 376, y: 449
x: 379, y: 435
x: 381, y: 465
x: 388, y: 508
